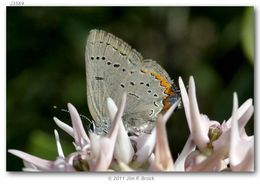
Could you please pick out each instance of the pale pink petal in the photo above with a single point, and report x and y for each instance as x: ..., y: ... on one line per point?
x: 105, y: 154
x: 145, y: 146
x: 146, y: 142
x: 95, y: 162
x: 151, y: 158
x: 242, y: 157
x: 39, y: 162
x: 243, y: 114
x: 222, y: 143
x: 30, y: 170
x: 59, y: 148
x: 202, y: 163
x: 240, y: 112
x: 240, y: 149
x: 64, y: 126
x: 235, y: 139
x: 103, y: 147
x: 163, y: 160
x: 247, y: 164
x: 185, y: 101
x: 29, y: 166
x: 115, y: 115
x: 123, y: 147
x: 188, y: 148
x: 61, y: 165
x: 78, y: 129
x: 199, y: 130
x: 243, y: 120
x: 94, y: 146
x: 193, y: 160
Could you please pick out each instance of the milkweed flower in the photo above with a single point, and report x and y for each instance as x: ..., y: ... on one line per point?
x: 207, y: 148
x: 33, y: 163
x: 114, y: 151
x: 216, y: 143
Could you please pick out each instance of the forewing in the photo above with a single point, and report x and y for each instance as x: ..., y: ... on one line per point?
x: 112, y: 68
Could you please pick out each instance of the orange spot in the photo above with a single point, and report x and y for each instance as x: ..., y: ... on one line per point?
x: 166, y: 104
x: 168, y: 88
x: 164, y: 83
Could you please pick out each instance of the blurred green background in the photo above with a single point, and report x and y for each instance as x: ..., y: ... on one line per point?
x: 45, y: 64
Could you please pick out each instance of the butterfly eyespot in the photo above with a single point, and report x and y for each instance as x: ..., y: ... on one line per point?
x: 132, y: 83
x: 103, y: 58
x: 147, y: 84
x: 97, y: 58
x: 116, y: 65
x: 108, y: 63
x: 92, y: 58
x: 122, y: 85
x: 149, y: 91
x: 155, y: 95
x: 123, y: 69
x: 141, y: 83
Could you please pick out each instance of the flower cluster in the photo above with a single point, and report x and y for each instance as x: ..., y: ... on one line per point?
x: 211, y: 146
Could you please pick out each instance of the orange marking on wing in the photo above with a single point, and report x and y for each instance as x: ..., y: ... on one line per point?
x: 166, y: 104
x: 164, y: 83
x: 168, y: 88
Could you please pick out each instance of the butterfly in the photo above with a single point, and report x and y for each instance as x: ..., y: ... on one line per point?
x: 114, y: 67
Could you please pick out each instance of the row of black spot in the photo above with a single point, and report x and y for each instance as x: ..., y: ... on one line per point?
x: 117, y: 65
x: 97, y: 58
x: 133, y: 83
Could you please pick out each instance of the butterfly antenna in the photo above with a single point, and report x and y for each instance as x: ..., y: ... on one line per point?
x: 81, y: 115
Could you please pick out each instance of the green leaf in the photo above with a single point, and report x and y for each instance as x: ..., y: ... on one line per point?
x: 247, y: 36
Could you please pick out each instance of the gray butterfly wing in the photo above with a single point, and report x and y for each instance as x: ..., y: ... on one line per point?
x: 112, y: 68
x: 107, y: 58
